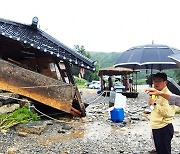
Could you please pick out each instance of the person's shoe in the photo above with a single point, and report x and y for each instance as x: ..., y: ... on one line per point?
x: 153, y: 151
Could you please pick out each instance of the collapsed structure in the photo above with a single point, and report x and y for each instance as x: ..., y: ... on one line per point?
x: 36, y: 65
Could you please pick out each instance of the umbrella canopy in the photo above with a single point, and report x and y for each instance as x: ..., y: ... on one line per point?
x: 176, y: 58
x: 152, y: 56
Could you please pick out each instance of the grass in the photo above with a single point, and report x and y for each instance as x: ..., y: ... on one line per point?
x: 21, y: 115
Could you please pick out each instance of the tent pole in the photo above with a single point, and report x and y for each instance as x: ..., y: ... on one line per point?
x: 151, y: 75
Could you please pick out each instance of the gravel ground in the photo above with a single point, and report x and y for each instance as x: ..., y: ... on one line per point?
x: 93, y: 134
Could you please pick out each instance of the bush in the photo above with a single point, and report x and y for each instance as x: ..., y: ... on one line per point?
x: 80, y: 82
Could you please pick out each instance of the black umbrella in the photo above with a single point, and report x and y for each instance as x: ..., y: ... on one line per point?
x: 176, y: 58
x: 150, y: 56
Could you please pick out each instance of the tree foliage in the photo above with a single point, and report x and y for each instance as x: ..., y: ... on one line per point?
x: 82, y: 50
x: 105, y: 59
x: 89, y: 75
x: 177, y: 76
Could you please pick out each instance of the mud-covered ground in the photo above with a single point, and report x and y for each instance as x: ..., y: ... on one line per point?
x: 93, y: 134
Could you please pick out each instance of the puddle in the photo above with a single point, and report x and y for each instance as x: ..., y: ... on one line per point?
x: 87, y: 131
x: 97, y: 131
x: 60, y: 137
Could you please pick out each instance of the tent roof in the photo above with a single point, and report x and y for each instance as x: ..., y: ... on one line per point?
x: 115, y: 71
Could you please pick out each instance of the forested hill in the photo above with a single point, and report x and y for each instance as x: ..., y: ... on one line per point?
x: 105, y: 59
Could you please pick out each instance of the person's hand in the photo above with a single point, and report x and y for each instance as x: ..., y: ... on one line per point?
x: 151, y: 101
x: 152, y: 91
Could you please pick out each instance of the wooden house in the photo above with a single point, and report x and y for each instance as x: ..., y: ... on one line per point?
x: 38, y: 66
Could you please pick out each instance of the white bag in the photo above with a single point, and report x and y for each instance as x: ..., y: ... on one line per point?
x: 120, y: 101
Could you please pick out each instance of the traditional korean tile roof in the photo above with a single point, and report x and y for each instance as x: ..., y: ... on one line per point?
x: 36, y: 38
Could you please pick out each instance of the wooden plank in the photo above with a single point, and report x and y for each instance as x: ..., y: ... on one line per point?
x: 75, y: 112
x: 36, y: 86
x: 81, y: 104
x: 60, y: 71
x: 69, y: 73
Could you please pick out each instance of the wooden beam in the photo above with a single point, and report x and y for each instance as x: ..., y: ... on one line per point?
x: 69, y: 73
x: 36, y: 86
x: 81, y: 104
x: 75, y: 112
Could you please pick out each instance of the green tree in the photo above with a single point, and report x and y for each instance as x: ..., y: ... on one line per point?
x: 105, y: 59
x: 94, y: 75
x: 89, y: 75
x: 177, y: 75
x: 82, y: 50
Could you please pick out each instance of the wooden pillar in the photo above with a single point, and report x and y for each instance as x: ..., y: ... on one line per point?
x: 69, y: 73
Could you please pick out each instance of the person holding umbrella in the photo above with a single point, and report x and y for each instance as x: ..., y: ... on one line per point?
x: 161, y: 116
x: 172, y: 98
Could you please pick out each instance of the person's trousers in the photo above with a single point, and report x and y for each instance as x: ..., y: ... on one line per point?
x: 162, y: 139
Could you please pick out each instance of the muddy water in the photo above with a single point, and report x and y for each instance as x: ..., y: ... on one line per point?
x: 60, y: 138
x: 85, y: 131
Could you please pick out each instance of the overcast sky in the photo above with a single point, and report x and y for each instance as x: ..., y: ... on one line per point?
x: 101, y: 25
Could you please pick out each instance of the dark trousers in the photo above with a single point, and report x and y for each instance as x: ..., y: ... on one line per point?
x: 162, y: 139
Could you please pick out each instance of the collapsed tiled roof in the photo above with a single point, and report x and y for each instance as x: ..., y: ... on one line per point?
x: 38, y: 39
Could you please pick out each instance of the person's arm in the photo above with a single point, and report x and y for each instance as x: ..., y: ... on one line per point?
x: 172, y: 98
x: 153, y: 91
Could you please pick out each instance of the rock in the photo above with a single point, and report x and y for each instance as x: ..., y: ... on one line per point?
x: 7, y: 98
x: 24, y: 102
x: 177, y: 135
x: 100, y: 111
x: 61, y: 131
x: 22, y: 134
x: 32, y: 127
x: 147, y: 111
x: 145, y: 105
x: 123, y: 129
x: 144, y: 118
x: 176, y: 132
x: 4, y: 131
x: 133, y: 111
x: 12, y: 150
x: 177, y: 151
x: 8, y: 108
x: 66, y: 127
x: 49, y: 122
x: 135, y: 117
